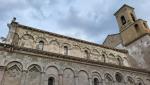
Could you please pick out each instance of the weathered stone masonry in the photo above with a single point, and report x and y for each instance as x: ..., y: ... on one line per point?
x: 27, y: 67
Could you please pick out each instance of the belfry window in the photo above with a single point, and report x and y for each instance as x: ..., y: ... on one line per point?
x: 123, y: 20
x: 51, y: 81
x: 145, y: 25
x: 40, y: 45
x: 137, y: 28
x: 96, y: 81
x: 132, y: 16
x: 65, y: 50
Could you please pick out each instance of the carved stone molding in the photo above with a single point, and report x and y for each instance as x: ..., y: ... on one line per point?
x: 2, y: 68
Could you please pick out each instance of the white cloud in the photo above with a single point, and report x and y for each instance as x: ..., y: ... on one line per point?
x: 91, y: 20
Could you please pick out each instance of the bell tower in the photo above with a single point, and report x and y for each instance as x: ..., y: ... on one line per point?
x: 130, y: 27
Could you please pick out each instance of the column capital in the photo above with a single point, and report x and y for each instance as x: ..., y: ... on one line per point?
x: 76, y: 76
x: 25, y: 71
x: 42, y: 72
x: 60, y: 74
x: 89, y: 78
x: 2, y: 68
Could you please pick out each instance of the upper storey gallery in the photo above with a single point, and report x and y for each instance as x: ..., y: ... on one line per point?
x: 28, y: 37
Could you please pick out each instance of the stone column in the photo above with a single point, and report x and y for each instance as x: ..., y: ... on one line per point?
x: 2, y: 70
x: 42, y: 78
x: 90, y: 81
x: 115, y: 83
x: 103, y: 82
x: 60, y: 79
x: 23, y: 78
x: 125, y: 83
x: 76, y: 80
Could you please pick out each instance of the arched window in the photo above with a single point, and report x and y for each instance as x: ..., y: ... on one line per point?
x: 104, y: 58
x: 65, y: 50
x: 140, y: 83
x: 109, y: 79
x: 86, y: 54
x: 40, y: 45
x: 132, y: 16
x: 145, y: 25
x: 130, y: 81
x: 119, y: 61
x: 118, y: 77
x: 96, y: 81
x: 123, y: 20
x: 137, y: 28
x: 51, y: 81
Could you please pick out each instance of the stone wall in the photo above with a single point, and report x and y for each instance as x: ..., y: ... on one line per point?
x: 29, y: 37
x: 28, y: 69
x: 112, y: 40
x: 140, y: 51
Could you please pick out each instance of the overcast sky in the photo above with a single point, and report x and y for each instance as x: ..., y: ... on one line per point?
x: 90, y: 20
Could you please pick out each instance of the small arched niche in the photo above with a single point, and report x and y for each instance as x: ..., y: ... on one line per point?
x: 40, y: 45
x: 66, y: 50
x: 51, y: 81
x: 95, y: 81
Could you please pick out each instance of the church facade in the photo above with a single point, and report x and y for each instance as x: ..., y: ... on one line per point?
x: 31, y: 56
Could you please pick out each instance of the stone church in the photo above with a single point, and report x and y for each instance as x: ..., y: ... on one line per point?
x: 30, y: 56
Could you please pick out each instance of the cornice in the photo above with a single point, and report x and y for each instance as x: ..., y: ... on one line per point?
x: 125, y: 5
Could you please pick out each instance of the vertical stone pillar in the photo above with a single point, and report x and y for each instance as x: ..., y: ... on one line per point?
x: 42, y: 78
x: 90, y: 81
x: 76, y: 80
x: 115, y: 83
x: 103, y: 82
x: 2, y: 70
x: 12, y: 30
x: 23, y: 78
x: 125, y: 83
x: 60, y: 79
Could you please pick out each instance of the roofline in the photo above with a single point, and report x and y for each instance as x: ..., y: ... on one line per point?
x: 110, y: 35
x: 40, y: 53
x: 125, y: 5
x: 67, y: 37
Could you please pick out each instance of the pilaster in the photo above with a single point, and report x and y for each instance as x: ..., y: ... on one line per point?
x: 60, y: 79
x: 76, y: 80
x: 2, y: 70
x: 23, y: 78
